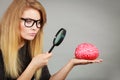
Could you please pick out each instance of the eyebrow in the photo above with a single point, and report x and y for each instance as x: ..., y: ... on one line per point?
x: 31, y: 19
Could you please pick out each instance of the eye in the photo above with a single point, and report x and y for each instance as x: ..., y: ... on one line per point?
x: 29, y: 21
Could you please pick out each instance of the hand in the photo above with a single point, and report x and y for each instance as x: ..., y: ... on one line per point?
x: 84, y: 62
x: 41, y: 60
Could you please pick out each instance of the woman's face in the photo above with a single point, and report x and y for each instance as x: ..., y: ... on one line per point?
x: 30, y: 24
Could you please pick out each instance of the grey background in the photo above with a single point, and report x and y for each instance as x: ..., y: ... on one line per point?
x: 94, y: 21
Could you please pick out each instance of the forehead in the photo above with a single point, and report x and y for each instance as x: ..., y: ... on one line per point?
x: 31, y: 13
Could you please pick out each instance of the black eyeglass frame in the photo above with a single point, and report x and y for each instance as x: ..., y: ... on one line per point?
x: 35, y: 21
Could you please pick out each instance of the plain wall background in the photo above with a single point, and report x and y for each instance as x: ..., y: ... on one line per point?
x: 94, y: 21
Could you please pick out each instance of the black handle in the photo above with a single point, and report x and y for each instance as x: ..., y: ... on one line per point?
x: 51, y: 49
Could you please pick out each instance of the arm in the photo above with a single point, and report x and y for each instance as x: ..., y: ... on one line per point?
x: 28, y: 73
x: 36, y: 63
x: 62, y: 74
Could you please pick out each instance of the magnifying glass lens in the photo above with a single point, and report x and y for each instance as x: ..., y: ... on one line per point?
x: 59, y: 37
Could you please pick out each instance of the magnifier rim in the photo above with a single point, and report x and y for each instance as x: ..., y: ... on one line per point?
x: 59, y: 31
x: 57, y: 35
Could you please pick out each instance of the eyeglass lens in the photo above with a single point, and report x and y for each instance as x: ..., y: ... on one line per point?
x: 30, y: 22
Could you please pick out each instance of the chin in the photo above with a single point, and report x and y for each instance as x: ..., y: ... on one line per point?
x: 29, y: 39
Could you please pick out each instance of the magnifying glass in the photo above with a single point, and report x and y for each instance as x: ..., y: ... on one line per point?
x: 59, y: 37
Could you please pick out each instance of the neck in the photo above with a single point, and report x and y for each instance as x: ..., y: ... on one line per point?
x: 22, y: 43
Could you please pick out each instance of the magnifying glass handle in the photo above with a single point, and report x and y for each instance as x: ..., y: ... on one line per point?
x: 51, y: 49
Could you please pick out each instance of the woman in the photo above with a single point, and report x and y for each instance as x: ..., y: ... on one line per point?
x: 21, y: 35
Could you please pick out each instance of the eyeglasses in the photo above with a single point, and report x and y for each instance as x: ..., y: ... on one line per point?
x: 28, y: 22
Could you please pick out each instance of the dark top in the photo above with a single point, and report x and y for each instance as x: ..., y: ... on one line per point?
x: 25, y: 58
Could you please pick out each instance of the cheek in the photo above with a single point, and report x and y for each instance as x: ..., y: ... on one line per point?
x: 21, y: 27
x: 38, y: 30
x: 22, y: 30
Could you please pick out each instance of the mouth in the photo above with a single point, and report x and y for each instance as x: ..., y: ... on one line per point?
x: 32, y: 34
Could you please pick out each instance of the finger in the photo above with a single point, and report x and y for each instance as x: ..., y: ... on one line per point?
x: 48, y: 55
x: 96, y: 61
x: 99, y: 60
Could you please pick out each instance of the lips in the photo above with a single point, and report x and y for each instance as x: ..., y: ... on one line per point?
x: 32, y: 34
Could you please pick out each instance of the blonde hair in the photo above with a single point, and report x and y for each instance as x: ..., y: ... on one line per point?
x: 10, y: 38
